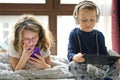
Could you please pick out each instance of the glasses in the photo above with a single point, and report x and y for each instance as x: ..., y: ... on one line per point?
x: 34, y: 39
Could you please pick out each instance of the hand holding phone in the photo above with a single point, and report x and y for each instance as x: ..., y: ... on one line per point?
x: 36, y: 51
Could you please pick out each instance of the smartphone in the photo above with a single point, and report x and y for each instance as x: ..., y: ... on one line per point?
x: 36, y: 51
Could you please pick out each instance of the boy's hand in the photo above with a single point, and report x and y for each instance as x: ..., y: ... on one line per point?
x: 78, y: 58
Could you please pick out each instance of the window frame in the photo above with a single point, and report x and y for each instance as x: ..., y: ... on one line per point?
x: 51, y: 8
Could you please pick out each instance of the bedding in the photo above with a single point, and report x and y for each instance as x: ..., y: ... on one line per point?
x: 59, y: 70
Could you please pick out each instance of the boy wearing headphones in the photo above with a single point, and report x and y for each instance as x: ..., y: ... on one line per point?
x: 86, y: 40
x: 28, y: 35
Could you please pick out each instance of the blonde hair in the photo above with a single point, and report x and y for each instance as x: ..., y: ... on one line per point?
x: 30, y: 22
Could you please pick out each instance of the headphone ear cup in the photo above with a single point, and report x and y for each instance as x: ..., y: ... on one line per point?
x: 76, y: 20
x: 97, y: 18
x: 75, y: 15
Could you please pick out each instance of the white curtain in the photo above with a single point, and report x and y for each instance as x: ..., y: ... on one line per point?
x: 104, y: 23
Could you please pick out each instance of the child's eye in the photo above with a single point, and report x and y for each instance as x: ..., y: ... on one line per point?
x: 84, y: 20
x: 92, y: 20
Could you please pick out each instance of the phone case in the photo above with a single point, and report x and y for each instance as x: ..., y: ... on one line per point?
x: 36, y: 51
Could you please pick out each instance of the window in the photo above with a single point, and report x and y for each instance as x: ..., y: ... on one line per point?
x: 69, y: 1
x: 67, y: 23
x: 7, y: 24
x: 24, y: 1
x: 64, y: 27
x: 56, y: 14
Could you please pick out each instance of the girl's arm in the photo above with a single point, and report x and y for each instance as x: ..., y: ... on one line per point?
x: 14, y: 62
x: 48, y: 62
x: 18, y: 64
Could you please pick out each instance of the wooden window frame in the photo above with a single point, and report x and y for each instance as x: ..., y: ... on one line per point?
x: 52, y: 8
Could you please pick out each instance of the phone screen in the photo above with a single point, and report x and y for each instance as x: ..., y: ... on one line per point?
x: 36, y: 51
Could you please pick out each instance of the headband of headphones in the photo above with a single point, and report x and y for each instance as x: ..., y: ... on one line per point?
x: 87, y: 3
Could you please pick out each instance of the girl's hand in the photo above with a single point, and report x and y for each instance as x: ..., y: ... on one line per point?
x: 78, y: 57
x: 27, y: 51
x: 39, y: 62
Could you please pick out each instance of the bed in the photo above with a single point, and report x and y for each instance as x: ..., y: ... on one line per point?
x: 59, y: 70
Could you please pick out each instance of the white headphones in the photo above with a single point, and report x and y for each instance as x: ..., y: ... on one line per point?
x: 86, y: 4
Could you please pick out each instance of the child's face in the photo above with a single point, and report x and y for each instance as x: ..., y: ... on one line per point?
x: 87, y: 19
x: 30, y: 38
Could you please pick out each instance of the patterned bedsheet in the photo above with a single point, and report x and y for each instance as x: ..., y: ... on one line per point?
x: 59, y: 70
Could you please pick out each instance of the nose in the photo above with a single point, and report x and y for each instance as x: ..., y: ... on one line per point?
x: 88, y: 23
x: 31, y: 42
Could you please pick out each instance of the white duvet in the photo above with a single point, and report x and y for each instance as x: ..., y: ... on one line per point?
x: 59, y: 70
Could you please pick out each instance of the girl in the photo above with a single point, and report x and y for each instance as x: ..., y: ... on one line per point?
x: 29, y: 33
